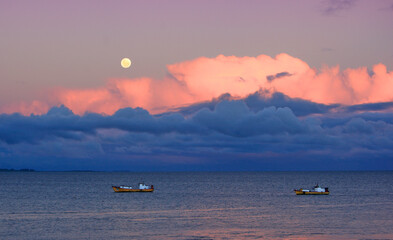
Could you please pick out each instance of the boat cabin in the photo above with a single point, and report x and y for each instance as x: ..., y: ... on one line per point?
x: 144, y: 186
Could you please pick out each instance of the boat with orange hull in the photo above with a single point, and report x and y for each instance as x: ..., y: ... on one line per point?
x: 317, y: 190
x: 141, y: 188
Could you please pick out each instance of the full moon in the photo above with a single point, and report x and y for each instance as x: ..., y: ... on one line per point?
x: 125, y: 62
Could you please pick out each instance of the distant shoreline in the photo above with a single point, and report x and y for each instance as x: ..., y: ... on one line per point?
x: 16, y: 170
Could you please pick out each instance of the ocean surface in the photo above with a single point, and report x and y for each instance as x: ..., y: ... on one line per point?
x: 196, y: 205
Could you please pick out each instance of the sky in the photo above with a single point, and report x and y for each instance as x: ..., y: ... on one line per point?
x: 213, y: 85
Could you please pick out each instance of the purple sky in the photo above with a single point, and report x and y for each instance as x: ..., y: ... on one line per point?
x: 78, y: 45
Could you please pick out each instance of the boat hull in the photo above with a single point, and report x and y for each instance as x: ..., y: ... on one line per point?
x: 118, y: 189
x: 311, y: 193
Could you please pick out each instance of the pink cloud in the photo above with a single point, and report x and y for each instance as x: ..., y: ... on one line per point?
x: 26, y: 108
x: 154, y: 95
x: 203, y: 78
x: 240, y: 76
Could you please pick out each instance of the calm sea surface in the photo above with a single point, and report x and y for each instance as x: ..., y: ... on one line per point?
x: 246, y: 205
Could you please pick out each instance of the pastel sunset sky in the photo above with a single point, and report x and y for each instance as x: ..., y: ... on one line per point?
x: 213, y: 85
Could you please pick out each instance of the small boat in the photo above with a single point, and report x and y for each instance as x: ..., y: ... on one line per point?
x: 317, y: 190
x: 141, y: 188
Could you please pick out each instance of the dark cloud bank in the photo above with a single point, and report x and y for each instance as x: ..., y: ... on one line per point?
x: 261, y: 132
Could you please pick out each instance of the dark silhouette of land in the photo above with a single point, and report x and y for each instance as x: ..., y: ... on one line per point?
x: 16, y: 170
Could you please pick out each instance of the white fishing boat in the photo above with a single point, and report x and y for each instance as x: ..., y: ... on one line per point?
x: 317, y: 190
x: 141, y: 188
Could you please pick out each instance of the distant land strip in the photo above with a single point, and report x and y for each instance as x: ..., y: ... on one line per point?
x: 16, y: 170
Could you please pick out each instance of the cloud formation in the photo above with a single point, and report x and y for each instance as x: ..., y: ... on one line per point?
x: 204, y: 79
x: 334, y: 7
x: 367, y: 107
x: 262, y: 99
x: 278, y: 75
x: 229, y: 117
x: 261, y: 131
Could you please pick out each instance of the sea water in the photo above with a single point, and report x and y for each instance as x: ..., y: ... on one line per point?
x: 196, y: 205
